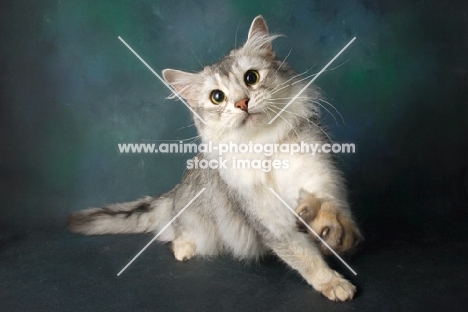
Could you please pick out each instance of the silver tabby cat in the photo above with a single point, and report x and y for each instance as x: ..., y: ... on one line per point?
x: 237, y: 214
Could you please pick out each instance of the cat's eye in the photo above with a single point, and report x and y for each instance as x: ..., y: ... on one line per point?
x: 217, y: 97
x: 251, y: 77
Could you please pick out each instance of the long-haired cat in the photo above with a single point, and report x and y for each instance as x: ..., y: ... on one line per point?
x: 237, y: 214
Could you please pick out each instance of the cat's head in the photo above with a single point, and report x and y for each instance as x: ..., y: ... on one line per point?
x: 238, y: 96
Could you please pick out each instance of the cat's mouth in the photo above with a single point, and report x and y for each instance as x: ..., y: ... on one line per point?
x: 249, y: 117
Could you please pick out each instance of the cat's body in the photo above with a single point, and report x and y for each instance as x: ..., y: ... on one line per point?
x: 237, y: 213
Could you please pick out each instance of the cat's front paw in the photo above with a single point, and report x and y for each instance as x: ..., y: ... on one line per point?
x: 335, y: 226
x: 338, y: 289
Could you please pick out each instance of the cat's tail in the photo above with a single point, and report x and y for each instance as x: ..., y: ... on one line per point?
x: 146, y: 214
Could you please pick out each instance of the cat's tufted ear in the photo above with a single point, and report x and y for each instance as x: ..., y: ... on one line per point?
x: 182, y: 82
x: 259, y: 39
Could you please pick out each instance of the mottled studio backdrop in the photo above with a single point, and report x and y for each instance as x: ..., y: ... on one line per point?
x: 71, y: 91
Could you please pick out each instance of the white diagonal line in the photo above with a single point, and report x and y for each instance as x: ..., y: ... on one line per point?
x: 162, y: 80
x: 162, y: 230
x: 318, y: 236
x: 313, y: 79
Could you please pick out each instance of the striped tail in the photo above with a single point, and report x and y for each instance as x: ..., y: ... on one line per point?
x: 144, y: 215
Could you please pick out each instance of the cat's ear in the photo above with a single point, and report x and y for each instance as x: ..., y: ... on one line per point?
x: 259, y: 38
x: 258, y: 28
x: 182, y: 82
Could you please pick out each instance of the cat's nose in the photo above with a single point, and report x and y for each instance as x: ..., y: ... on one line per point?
x: 242, y: 104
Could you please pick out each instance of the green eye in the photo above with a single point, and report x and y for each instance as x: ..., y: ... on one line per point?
x: 251, y: 77
x: 217, y: 97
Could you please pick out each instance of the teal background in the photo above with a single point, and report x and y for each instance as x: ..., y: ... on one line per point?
x: 71, y: 91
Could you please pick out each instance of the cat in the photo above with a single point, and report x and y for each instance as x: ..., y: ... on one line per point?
x: 237, y: 214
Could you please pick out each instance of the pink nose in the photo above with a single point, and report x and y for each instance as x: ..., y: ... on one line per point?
x: 242, y: 104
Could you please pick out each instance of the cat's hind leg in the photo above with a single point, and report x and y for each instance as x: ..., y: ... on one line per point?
x: 183, y: 250
x: 188, y: 244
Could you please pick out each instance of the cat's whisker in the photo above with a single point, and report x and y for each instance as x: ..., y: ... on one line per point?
x: 279, y: 109
x: 282, y: 88
x: 281, y: 84
x: 310, y: 76
x: 305, y: 78
x: 181, y: 128
x: 289, y: 98
x: 235, y: 37
x: 283, y: 61
x: 293, y: 83
x: 318, y: 103
x: 327, y: 110
x: 337, y: 66
x: 293, y: 129
x: 183, y: 140
x: 266, y: 112
x: 193, y: 139
x: 323, y: 131
x: 309, y: 120
x: 196, y: 58
x: 292, y: 78
x: 341, y: 116
x: 312, y: 100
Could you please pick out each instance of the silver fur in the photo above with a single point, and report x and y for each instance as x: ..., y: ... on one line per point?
x: 237, y: 214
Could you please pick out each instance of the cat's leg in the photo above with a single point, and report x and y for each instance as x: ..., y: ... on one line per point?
x: 329, y: 220
x: 200, y: 240
x: 305, y: 257
x: 183, y: 249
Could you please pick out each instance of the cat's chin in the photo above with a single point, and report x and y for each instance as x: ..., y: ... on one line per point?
x: 250, y: 118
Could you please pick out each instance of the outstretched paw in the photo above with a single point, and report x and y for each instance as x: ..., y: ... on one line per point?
x: 334, y: 225
x: 338, y: 289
